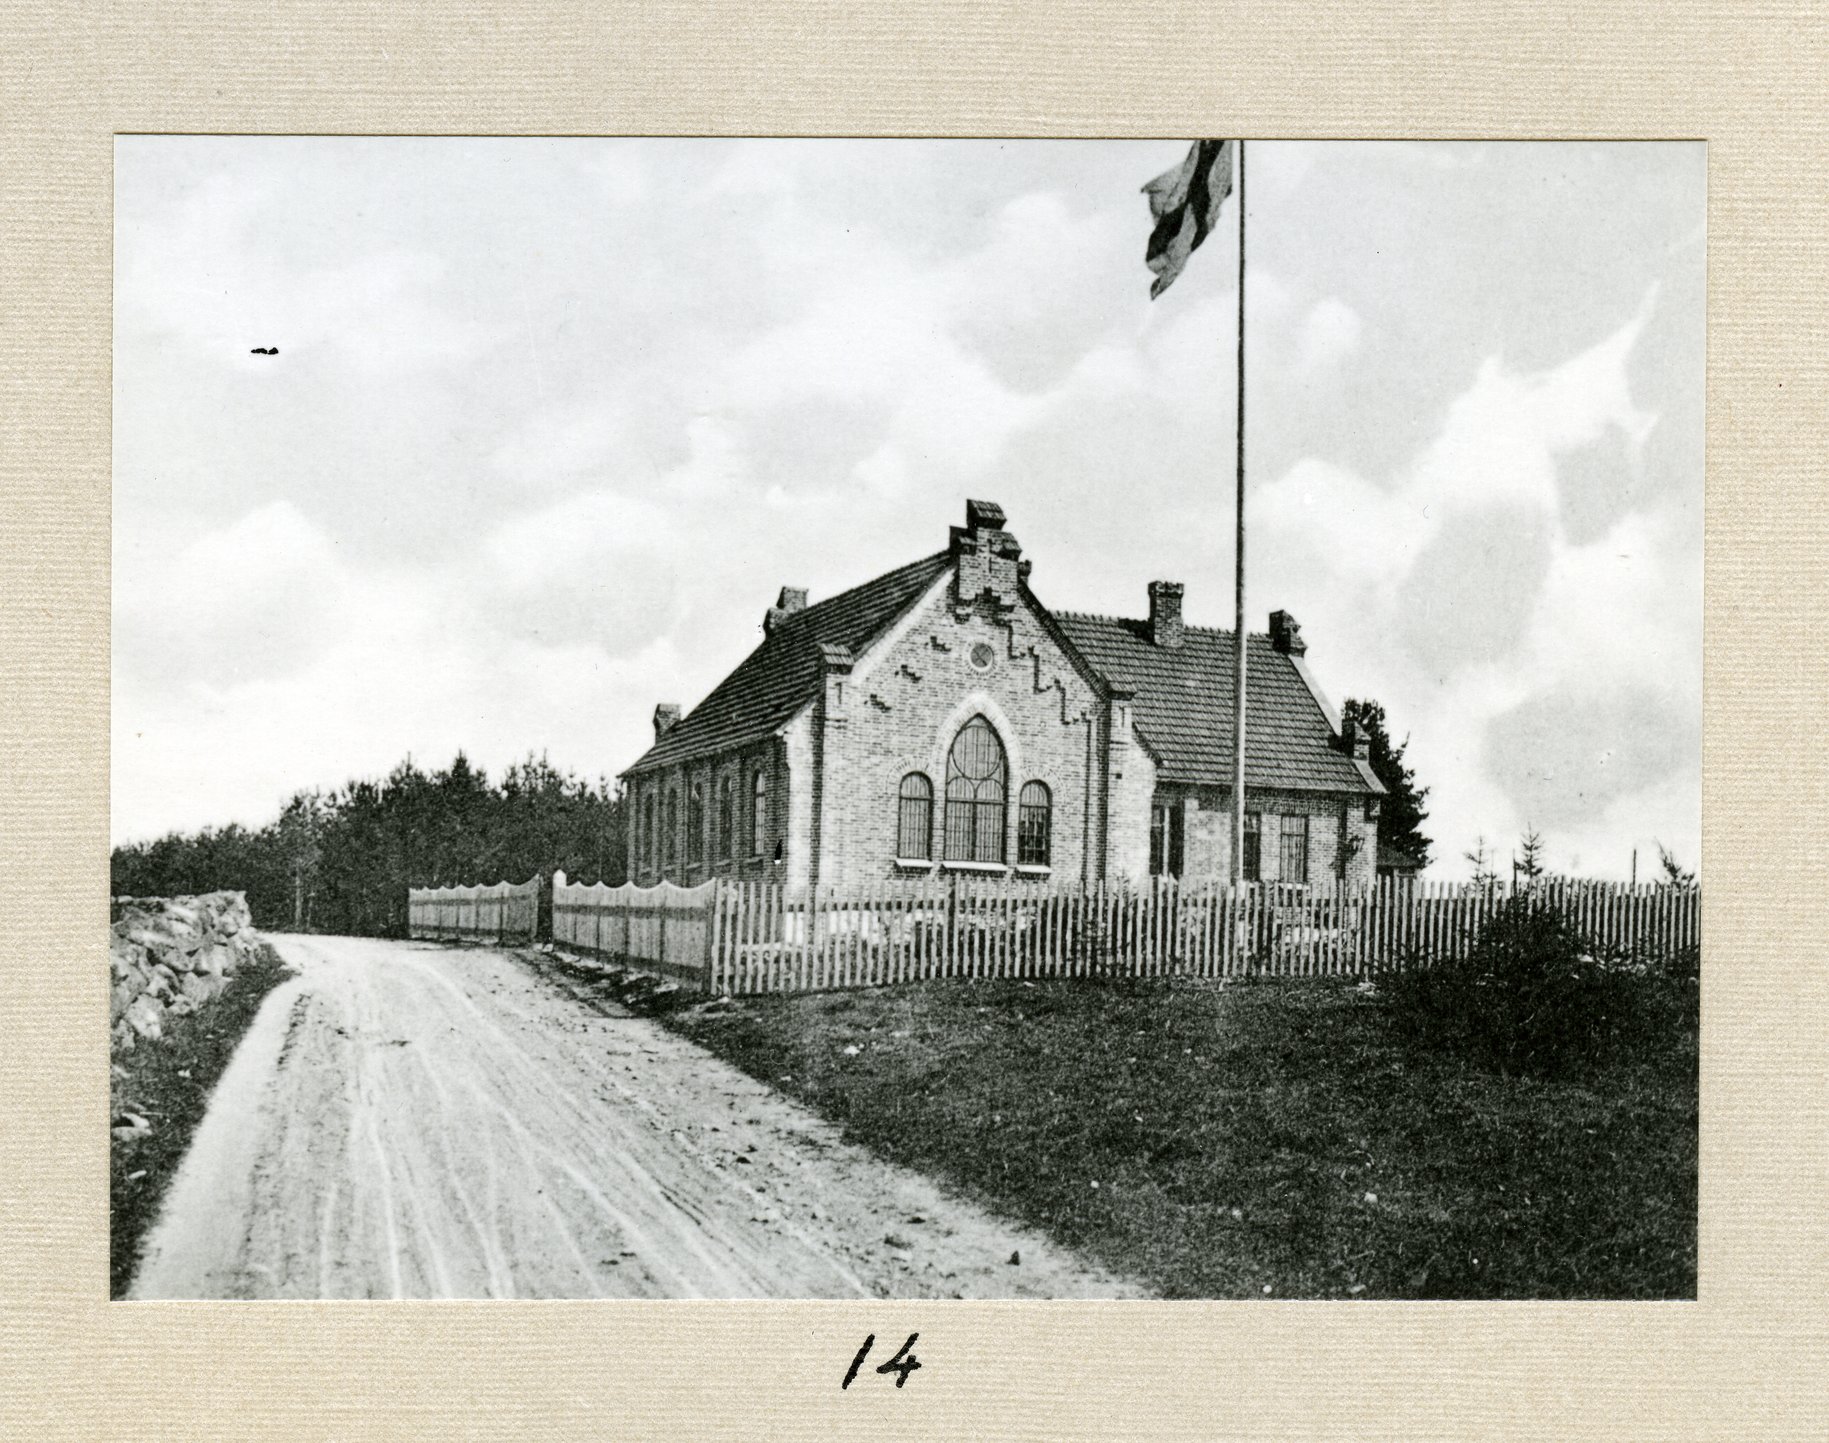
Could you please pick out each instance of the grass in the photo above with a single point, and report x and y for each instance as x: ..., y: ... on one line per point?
x: 169, y: 1083
x: 1280, y: 1139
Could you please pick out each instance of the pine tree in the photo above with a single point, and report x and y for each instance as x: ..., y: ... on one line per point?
x: 1675, y: 873
x: 1401, y: 814
x: 1479, y: 857
x: 1530, y: 855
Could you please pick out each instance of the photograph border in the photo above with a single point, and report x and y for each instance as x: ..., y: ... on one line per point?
x: 1745, y: 1359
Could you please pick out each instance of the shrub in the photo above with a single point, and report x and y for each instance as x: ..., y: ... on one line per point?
x: 1534, y: 994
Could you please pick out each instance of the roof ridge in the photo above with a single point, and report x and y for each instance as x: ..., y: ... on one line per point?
x: 1144, y: 621
x: 876, y: 580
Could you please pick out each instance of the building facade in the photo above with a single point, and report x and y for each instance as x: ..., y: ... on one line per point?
x: 940, y: 719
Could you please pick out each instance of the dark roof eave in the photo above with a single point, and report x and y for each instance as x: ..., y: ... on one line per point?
x: 1356, y: 787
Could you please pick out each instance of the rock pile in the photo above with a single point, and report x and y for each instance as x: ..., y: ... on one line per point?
x: 170, y: 955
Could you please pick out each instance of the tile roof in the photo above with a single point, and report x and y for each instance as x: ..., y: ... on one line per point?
x: 1182, y: 706
x: 1184, y: 701
x: 784, y: 673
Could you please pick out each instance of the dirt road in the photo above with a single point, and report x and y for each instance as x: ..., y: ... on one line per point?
x: 404, y: 1120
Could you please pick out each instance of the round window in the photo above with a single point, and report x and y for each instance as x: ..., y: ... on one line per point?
x: 982, y: 654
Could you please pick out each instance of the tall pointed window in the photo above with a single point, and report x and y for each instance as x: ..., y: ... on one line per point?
x: 727, y: 818
x: 695, y: 824
x: 976, y: 785
x: 1253, y: 860
x: 914, y: 824
x: 671, y: 847
x: 1034, y: 825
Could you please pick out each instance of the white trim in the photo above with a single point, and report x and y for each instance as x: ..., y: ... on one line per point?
x: 871, y: 657
x: 977, y: 702
x: 915, y: 864
x: 1031, y: 869
x: 1328, y: 709
x: 1001, y: 868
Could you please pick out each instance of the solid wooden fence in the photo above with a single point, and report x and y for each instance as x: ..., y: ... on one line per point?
x: 742, y: 937
x: 665, y: 927
x: 506, y: 913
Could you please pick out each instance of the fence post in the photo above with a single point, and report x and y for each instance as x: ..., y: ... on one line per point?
x: 715, y: 905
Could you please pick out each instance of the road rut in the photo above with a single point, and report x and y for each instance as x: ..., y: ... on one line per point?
x: 411, y: 1121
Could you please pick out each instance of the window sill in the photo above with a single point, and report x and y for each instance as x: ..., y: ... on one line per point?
x: 999, y: 868
x: 1034, y: 869
x: 914, y: 864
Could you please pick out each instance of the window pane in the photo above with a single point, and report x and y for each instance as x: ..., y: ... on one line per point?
x: 1254, y: 838
x: 1033, y: 825
x: 914, y: 820
x: 975, y: 790
x: 1294, y: 856
x: 758, y: 814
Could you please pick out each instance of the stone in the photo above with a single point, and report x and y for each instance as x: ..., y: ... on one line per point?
x: 199, y: 987
x: 146, y: 1017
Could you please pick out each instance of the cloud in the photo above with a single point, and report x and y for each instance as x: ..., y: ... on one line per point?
x: 1487, y: 617
x: 252, y: 599
x: 1330, y: 333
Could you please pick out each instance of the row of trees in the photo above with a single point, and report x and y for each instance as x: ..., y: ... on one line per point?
x: 342, y: 861
x: 1528, y: 864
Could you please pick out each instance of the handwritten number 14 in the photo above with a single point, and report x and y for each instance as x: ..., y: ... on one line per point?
x: 902, y: 1364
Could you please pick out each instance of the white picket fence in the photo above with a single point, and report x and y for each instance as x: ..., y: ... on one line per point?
x: 506, y: 913
x: 757, y: 937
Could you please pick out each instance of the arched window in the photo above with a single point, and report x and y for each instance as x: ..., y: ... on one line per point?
x: 671, y: 852
x: 695, y: 823
x: 975, y: 791
x: 914, y: 826
x: 727, y: 823
x: 1035, y: 825
x: 758, y: 812
x: 647, y: 829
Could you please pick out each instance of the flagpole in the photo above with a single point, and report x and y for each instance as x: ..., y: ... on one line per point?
x: 1238, y: 721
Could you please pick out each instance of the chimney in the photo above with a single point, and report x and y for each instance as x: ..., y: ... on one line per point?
x: 990, y: 564
x: 666, y: 717
x: 983, y: 516
x: 1165, y: 626
x: 791, y: 600
x: 1354, y: 742
x: 1286, y: 634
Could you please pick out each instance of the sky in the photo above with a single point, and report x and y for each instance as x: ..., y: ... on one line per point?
x: 552, y: 421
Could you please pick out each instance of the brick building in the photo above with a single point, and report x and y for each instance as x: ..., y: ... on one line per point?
x: 941, y: 718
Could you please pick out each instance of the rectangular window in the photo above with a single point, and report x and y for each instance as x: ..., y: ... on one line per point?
x: 1293, y: 859
x: 1167, y: 839
x: 1253, y: 869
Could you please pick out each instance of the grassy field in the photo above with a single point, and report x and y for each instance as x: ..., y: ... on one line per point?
x: 169, y: 1083
x: 1272, y: 1139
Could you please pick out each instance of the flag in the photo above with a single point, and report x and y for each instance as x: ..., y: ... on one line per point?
x: 1185, y: 202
